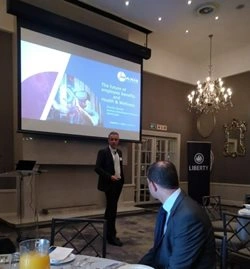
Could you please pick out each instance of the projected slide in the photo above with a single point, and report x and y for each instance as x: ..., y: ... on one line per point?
x: 77, y: 92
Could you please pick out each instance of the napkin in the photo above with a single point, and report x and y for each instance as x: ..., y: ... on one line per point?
x: 59, y: 254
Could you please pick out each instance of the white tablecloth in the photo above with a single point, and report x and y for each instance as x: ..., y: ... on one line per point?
x: 88, y: 262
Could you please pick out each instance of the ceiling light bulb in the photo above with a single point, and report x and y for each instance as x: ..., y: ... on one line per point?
x: 211, y: 87
x: 189, y: 2
x: 127, y: 3
x: 159, y: 18
x: 216, y: 18
x: 187, y: 31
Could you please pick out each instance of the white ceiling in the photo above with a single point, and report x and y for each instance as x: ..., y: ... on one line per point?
x: 231, y: 32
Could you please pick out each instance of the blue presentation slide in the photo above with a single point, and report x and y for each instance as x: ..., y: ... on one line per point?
x: 59, y: 86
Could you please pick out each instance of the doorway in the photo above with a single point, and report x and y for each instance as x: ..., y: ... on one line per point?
x: 155, y: 146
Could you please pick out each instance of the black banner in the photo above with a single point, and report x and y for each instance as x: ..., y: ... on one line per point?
x: 198, y: 169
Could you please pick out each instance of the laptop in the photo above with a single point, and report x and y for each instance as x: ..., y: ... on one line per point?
x: 25, y: 166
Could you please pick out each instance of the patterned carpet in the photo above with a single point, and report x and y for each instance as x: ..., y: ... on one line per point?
x: 136, y: 233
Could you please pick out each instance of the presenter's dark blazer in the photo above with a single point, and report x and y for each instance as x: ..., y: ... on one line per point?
x: 188, y: 242
x: 105, y: 168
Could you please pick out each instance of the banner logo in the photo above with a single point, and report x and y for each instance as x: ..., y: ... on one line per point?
x: 198, y: 158
x: 199, y: 166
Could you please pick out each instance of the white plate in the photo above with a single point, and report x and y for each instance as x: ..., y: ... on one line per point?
x: 135, y: 266
x: 70, y: 258
x: 247, y: 206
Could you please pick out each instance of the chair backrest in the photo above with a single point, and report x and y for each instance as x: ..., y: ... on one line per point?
x: 85, y: 235
x: 212, y: 205
x: 236, y: 237
x: 6, y: 245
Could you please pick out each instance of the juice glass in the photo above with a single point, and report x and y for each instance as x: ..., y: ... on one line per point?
x: 34, y: 254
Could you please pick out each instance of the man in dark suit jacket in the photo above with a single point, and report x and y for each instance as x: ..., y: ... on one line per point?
x: 186, y: 239
x: 111, y: 179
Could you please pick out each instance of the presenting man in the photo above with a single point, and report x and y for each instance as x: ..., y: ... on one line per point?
x: 183, y: 233
x: 111, y: 179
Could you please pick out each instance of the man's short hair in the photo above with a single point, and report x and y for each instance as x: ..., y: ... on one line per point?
x: 113, y: 133
x: 164, y: 174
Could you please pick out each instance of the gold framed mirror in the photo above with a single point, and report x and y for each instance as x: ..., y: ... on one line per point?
x: 234, y: 144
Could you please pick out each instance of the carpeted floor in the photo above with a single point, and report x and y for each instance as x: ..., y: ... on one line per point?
x: 136, y: 233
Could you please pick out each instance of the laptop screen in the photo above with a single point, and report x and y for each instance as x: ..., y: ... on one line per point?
x: 25, y: 165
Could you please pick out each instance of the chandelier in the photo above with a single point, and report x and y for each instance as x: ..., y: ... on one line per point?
x: 211, y: 95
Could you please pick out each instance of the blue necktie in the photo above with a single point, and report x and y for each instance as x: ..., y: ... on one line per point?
x: 160, y: 225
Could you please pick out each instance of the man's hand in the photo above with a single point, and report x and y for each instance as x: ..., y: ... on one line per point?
x: 114, y: 178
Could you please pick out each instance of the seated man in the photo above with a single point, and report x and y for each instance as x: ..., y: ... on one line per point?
x: 183, y: 234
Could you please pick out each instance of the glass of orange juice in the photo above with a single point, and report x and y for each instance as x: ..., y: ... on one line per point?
x: 34, y: 254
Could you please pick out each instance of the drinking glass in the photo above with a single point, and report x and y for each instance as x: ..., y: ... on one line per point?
x: 34, y: 254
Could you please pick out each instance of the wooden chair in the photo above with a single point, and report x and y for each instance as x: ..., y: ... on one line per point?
x: 85, y: 235
x: 236, y: 241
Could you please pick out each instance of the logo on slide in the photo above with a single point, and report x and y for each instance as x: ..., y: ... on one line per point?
x: 198, y: 158
x: 123, y: 77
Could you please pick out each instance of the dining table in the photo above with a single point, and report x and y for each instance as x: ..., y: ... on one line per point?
x: 11, y: 261
x: 90, y: 262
